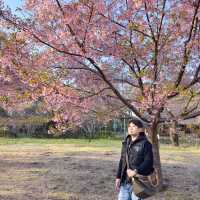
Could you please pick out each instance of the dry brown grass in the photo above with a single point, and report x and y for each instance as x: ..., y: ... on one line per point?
x: 72, y: 172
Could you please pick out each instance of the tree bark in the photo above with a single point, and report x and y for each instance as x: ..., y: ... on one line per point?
x: 152, y: 134
x: 173, y: 134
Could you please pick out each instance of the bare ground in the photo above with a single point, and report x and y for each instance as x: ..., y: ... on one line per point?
x: 65, y: 172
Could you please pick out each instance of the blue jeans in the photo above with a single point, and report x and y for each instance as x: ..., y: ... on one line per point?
x: 125, y: 192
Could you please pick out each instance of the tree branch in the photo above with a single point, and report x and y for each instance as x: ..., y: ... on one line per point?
x: 186, y: 51
x: 90, y: 17
x: 70, y: 29
x: 95, y: 93
x: 149, y: 23
x: 186, y: 111
x: 136, y: 75
x: 195, y: 79
x: 116, y: 92
x: 161, y: 21
x: 126, y: 81
x: 124, y: 27
x: 196, y: 114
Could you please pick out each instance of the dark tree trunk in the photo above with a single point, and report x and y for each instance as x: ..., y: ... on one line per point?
x: 152, y: 134
x: 173, y: 134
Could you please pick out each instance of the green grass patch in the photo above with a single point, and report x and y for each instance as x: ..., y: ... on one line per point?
x: 74, y: 144
x: 169, y: 148
x: 98, y: 144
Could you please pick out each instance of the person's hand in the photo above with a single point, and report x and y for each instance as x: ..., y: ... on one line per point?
x: 117, y: 184
x: 131, y: 173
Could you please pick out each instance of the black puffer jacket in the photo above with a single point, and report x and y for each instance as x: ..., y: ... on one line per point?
x: 140, y: 156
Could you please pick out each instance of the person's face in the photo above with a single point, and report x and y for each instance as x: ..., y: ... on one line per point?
x: 133, y: 129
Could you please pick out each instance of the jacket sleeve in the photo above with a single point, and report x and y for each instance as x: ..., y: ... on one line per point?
x: 146, y: 167
x: 120, y: 164
x: 119, y: 169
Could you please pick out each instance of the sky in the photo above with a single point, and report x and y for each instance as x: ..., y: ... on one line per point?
x: 13, y: 4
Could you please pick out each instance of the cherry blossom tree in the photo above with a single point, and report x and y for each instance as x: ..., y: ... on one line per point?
x: 27, y: 75
x: 140, y: 53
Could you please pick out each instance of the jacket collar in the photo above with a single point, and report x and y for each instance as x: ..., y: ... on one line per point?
x: 140, y: 137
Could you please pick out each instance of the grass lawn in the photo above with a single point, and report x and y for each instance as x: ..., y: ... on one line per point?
x: 76, y: 169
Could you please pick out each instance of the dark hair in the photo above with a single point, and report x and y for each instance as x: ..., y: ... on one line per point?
x: 137, y: 122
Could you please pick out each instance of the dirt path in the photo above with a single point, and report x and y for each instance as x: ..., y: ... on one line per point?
x: 56, y: 172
